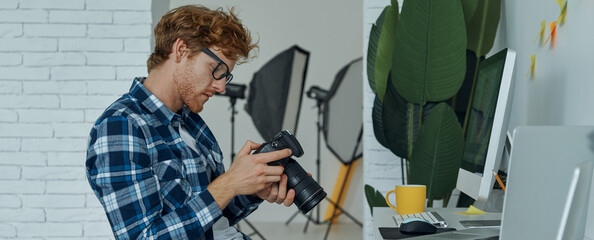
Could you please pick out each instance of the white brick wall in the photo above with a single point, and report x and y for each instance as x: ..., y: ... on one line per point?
x: 61, y: 63
x: 381, y: 167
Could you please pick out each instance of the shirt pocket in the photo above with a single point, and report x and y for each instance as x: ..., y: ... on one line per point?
x: 169, y: 170
x: 174, y: 187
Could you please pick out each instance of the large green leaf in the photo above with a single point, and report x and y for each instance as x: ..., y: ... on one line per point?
x: 374, y: 198
x: 437, y: 153
x: 383, y: 57
x: 429, y: 59
x: 482, y: 27
x: 374, y: 36
x: 469, y: 8
x: 401, y: 120
x: 378, y: 127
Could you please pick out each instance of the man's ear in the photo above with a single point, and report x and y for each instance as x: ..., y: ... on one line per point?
x: 179, y: 50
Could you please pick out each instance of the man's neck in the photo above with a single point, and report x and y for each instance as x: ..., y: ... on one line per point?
x: 160, y: 83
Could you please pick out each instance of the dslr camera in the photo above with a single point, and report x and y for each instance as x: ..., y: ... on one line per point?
x: 308, y: 193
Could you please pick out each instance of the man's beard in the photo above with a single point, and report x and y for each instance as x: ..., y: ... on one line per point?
x: 182, y: 79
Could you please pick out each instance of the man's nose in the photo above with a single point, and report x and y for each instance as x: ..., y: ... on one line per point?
x: 220, y: 85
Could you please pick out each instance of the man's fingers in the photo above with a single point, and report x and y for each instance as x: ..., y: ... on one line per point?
x: 265, y: 193
x: 272, y: 156
x: 273, y: 170
x: 290, y: 198
x: 273, y: 193
x: 282, y: 189
x: 247, y: 148
x: 272, y: 179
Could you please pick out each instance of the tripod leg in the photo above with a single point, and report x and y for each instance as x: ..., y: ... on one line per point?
x: 307, y: 223
x: 334, y: 214
x: 338, y: 207
x: 329, y: 226
x: 344, y: 211
x: 254, y: 228
x: 291, y: 218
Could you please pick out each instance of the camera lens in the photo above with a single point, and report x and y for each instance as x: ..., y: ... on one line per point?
x: 308, y: 193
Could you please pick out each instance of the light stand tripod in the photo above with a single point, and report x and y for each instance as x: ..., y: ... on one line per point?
x: 234, y: 91
x: 334, y: 213
x: 310, y: 218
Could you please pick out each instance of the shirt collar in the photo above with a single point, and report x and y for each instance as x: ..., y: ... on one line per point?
x: 193, y: 122
x: 152, y: 103
x: 200, y: 130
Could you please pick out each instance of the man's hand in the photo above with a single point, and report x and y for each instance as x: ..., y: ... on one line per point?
x: 278, y: 193
x: 248, y: 174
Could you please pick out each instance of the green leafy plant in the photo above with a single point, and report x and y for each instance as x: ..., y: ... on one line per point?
x: 418, y: 60
x: 374, y: 198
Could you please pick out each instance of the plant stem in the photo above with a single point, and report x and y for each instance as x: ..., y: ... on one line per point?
x: 453, y: 103
x: 407, y: 171
x: 411, y: 112
x: 402, y: 169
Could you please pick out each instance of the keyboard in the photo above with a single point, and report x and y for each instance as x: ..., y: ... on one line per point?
x: 432, y: 217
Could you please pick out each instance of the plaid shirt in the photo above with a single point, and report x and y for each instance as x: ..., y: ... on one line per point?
x: 150, y: 183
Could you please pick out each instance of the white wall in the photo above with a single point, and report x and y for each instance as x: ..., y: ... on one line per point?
x: 61, y: 63
x: 381, y: 167
x: 331, y: 31
x: 561, y: 92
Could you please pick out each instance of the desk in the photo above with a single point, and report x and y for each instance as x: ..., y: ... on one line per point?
x: 382, y: 217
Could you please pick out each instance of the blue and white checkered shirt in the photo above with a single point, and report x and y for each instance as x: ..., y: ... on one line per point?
x: 150, y: 183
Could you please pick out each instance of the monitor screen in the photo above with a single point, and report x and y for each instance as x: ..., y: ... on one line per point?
x: 487, y: 125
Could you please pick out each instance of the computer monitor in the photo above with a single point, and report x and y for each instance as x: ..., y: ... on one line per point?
x: 487, y: 125
x: 545, y: 198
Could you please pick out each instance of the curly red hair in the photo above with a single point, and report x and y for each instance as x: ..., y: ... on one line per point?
x: 200, y: 27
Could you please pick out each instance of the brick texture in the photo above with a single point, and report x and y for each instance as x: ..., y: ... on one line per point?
x: 62, y: 63
x: 381, y: 167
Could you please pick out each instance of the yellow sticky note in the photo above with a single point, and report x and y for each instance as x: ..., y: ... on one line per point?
x: 541, y: 32
x: 561, y: 18
x: 553, y: 28
x: 532, y: 65
x: 472, y: 211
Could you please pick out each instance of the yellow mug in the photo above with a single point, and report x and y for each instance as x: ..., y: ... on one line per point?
x: 409, y: 199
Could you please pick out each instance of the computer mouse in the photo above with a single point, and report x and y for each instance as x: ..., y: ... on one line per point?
x: 417, y: 226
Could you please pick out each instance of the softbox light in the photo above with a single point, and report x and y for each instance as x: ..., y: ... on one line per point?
x: 276, y: 90
x: 343, y: 113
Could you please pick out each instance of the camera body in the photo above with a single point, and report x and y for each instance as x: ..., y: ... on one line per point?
x: 282, y: 140
x: 308, y: 193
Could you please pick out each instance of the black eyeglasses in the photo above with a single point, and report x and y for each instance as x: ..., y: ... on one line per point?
x: 221, y: 70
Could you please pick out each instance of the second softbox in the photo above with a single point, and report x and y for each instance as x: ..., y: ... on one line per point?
x: 343, y: 113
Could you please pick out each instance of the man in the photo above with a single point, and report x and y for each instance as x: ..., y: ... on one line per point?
x: 152, y: 161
